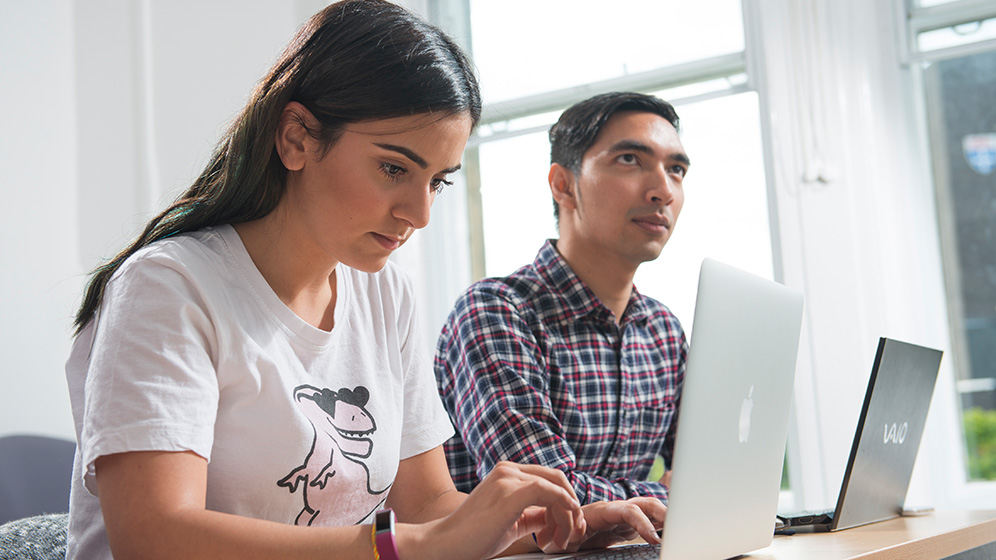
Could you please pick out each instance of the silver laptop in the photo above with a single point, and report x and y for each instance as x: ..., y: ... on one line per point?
x: 732, y: 423
x: 886, y: 440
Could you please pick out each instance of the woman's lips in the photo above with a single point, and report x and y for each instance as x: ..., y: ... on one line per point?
x: 389, y: 243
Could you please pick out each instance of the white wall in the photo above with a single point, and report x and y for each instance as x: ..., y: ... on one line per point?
x: 38, y: 218
x: 107, y: 109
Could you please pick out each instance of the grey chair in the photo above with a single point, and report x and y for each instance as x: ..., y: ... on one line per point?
x: 42, y: 537
x: 35, y: 476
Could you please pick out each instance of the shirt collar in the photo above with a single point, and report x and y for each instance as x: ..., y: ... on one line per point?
x: 579, y: 299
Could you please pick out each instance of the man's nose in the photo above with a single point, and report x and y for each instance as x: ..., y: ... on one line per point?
x: 662, y: 187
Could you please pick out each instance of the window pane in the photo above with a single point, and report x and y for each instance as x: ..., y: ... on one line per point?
x: 963, y: 124
x: 522, y: 125
x: 725, y: 215
x: 516, y: 204
x: 928, y: 3
x: 563, y: 43
x: 957, y: 35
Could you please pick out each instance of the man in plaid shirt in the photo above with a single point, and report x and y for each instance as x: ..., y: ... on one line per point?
x: 564, y: 363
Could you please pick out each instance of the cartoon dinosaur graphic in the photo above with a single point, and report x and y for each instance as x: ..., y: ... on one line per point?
x: 328, y: 478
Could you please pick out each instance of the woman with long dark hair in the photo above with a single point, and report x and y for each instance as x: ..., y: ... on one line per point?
x: 245, y: 377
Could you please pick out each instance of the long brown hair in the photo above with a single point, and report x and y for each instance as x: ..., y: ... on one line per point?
x: 355, y: 60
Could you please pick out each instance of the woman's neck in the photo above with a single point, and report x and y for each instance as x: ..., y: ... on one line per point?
x: 301, y: 276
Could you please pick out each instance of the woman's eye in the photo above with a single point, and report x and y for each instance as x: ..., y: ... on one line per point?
x: 391, y: 171
x: 437, y: 185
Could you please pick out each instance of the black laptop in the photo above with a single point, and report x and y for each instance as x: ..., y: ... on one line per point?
x: 886, y: 441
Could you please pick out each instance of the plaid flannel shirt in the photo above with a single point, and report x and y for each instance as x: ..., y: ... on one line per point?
x: 532, y: 368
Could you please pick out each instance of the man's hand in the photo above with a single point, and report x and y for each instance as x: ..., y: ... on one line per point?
x: 611, y: 523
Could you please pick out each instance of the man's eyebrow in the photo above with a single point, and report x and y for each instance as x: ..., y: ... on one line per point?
x: 682, y: 158
x: 419, y: 160
x: 636, y: 146
x: 631, y: 146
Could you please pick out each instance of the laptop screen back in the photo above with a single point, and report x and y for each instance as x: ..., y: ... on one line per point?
x: 888, y: 434
x: 733, y: 416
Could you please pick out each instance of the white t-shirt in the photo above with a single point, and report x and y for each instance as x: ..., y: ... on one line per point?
x: 192, y: 350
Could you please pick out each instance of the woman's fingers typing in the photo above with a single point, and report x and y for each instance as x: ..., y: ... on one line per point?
x: 512, y: 502
x: 516, y: 501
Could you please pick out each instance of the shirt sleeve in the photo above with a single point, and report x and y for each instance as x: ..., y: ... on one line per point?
x: 151, y: 382
x: 667, y: 451
x: 493, y: 365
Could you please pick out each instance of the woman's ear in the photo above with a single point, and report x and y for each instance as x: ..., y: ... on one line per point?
x: 292, y: 135
x: 562, y: 186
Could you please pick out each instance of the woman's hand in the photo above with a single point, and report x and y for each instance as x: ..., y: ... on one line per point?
x: 610, y: 523
x: 512, y: 502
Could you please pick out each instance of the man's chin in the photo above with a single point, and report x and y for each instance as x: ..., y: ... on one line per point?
x: 650, y: 252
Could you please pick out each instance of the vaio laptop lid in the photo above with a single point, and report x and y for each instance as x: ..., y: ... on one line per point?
x: 732, y: 421
x: 886, y: 440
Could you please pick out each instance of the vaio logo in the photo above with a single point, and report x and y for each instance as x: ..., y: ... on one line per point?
x: 895, y: 433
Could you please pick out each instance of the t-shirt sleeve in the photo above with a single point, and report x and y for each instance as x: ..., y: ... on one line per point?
x: 426, y: 424
x: 151, y: 381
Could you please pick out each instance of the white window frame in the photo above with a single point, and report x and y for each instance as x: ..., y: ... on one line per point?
x: 813, y: 67
x: 947, y: 466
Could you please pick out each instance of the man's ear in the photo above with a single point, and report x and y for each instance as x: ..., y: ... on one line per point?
x: 563, y: 186
x: 292, y: 135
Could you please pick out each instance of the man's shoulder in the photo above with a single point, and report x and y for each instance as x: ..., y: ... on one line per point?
x: 520, y: 286
x: 659, y: 313
x: 523, y: 293
x: 655, y: 306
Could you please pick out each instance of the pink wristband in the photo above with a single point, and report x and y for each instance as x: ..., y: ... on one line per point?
x: 383, y: 533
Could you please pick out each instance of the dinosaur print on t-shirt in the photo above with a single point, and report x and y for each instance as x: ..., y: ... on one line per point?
x: 334, y: 479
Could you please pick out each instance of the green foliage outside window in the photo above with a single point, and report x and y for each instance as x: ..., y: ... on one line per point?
x: 980, y: 439
x: 657, y: 471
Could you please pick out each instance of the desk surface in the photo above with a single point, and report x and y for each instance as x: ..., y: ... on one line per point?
x: 930, y: 537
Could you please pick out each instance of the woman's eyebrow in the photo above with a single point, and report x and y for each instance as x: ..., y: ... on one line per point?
x: 419, y: 160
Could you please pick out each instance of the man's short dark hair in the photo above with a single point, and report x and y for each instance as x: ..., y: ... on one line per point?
x: 579, y: 125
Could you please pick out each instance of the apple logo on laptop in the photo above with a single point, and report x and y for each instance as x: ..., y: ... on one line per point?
x: 745, y: 411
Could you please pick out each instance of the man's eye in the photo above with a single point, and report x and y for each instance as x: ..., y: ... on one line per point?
x: 678, y: 170
x: 628, y: 158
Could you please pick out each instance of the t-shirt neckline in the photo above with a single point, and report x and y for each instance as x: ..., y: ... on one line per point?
x: 284, y: 316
